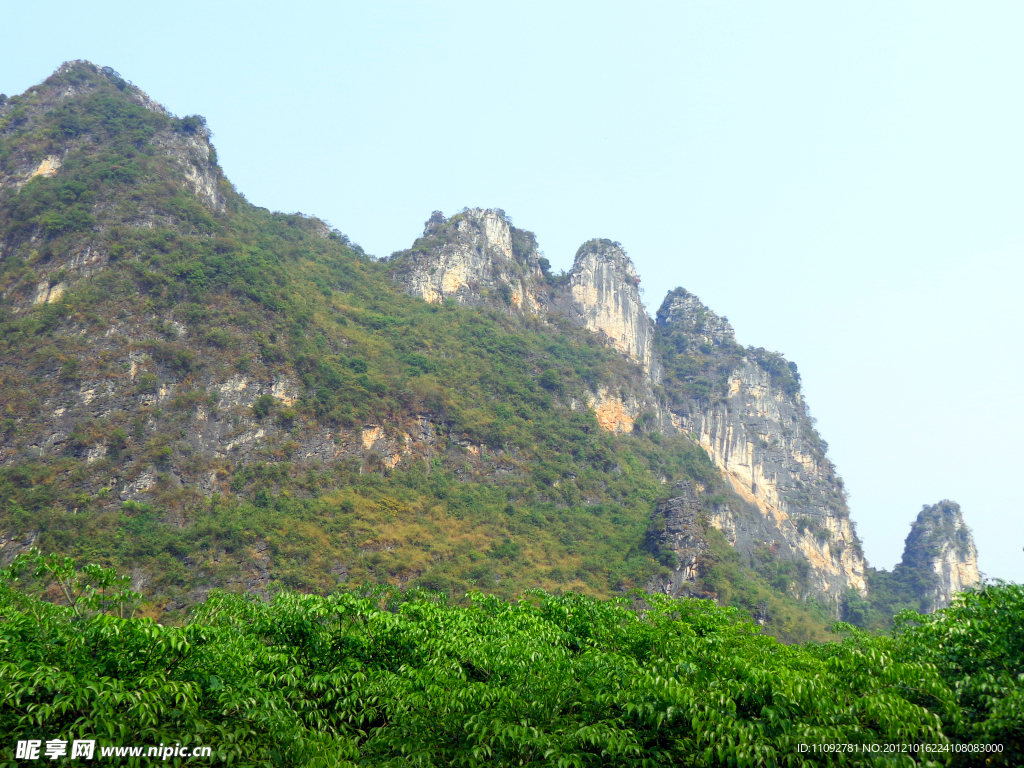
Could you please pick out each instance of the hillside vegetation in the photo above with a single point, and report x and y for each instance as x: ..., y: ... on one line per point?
x: 139, y: 288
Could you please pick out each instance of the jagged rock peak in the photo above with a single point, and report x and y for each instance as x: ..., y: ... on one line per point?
x: 685, y: 311
x: 475, y: 257
x: 940, y: 551
x: 603, y: 294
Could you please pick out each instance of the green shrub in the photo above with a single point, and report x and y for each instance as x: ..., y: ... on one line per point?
x: 263, y: 406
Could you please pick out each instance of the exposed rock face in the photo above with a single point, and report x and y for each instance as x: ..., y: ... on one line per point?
x: 758, y: 432
x: 603, y: 294
x: 677, y: 539
x: 939, y: 555
x: 476, y: 257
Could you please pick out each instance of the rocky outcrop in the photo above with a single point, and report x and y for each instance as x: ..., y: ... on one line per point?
x: 475, y: 257
x: 745, y: 408
x: 478, y: 258
x: 676, y: 538
x: 939, y: 557
x: 603, y: 295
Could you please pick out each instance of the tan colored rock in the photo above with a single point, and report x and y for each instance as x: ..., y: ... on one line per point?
x: 471, y: 258
x: 603, y: 295
x: 613, y: 412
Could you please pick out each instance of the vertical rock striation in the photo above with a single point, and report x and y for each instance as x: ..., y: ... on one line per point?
x: 745, y: 408
x: 939, y: 557
x: 677, y: 539
x: 603, y: 295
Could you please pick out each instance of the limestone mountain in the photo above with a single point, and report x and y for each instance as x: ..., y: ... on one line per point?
x: 939, y: 557
x: 213, y: 395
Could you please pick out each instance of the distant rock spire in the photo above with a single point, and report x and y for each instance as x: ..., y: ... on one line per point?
x: 939, y: 557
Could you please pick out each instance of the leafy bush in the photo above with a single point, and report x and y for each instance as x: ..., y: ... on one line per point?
x: 263, y: 406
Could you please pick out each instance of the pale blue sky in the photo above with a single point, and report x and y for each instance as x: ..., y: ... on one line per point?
x: 844, y: 181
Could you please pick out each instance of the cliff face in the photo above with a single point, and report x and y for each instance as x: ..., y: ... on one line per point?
x: 745, y: 409
x: 678, y: 540
x: 939, y: 557
x: 475, y: 257
x: 603, y: 295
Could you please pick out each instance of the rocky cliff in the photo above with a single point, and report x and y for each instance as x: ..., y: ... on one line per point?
x: 745, y: 408
x: 602, y: 294
x: 939, y: 557
x: 475, y: 257
x: 678, y: 539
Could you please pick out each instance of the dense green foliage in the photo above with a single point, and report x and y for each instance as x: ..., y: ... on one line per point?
x: 391, y: 678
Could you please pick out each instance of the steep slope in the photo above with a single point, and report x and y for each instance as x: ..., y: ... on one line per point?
x: 745, y: 408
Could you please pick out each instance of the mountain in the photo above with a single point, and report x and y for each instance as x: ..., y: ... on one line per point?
x: 939, y: 560
x: 208, y: 394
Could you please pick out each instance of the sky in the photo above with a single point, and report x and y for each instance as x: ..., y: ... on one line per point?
x: 844, y: 181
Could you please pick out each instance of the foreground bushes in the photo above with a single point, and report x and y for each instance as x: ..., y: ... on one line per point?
x: 386, y: 678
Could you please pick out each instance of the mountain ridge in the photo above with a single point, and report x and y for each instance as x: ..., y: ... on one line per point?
x: 190, y: 357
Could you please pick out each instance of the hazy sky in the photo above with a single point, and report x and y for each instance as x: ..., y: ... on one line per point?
x: 844, y: 181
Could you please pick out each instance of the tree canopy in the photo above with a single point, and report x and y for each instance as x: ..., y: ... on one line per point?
x: 382, y: 677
